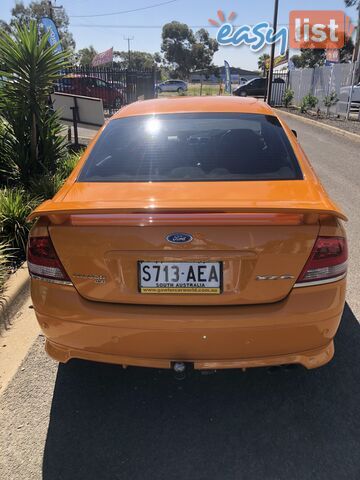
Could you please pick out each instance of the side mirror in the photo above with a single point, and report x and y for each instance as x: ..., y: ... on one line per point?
x: 294, y: 132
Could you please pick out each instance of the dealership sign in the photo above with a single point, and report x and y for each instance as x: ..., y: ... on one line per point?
x: 311, y: 29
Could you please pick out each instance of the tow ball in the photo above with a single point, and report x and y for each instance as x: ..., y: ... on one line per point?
x: 179, y: 370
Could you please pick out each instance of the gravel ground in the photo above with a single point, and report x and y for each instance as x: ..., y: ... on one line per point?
x: 353, y: 125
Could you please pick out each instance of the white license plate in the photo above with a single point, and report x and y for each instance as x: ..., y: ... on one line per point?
x: 180, y: 277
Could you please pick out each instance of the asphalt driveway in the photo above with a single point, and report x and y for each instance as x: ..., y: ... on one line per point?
x: 92, y: 421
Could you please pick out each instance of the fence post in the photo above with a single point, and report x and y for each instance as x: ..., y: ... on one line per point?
x: 351, y: 91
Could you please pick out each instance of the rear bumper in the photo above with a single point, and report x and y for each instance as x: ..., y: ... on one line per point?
x: 299, y: 329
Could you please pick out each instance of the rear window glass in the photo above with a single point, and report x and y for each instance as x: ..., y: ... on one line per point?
x: 192, y: 148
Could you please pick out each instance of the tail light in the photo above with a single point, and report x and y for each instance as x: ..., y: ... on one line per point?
x: 327, y: 262
x: 43, y: 262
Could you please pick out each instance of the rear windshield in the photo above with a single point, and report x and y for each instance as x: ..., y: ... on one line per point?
x: 192, y: 148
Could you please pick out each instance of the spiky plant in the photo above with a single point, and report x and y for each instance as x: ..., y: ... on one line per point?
x: 15, y: 206
x: 5, y: 257
x: 30, y: 69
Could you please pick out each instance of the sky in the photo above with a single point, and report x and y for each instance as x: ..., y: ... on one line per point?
x: 144, y: 26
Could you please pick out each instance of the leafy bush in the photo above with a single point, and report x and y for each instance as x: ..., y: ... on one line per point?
x: 47, y: 185
x: 15, y: 206
x: 5, y: 257
x: 329, y: 101
x: 33, y: 142
x: 308, y: 102
x: 67, y: 165
x: 288, y: 96
x: 8, y: 170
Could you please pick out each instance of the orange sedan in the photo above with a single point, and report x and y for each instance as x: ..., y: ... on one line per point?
x: 192, y: 231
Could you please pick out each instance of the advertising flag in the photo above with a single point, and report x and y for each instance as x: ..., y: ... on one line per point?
x: 227, y: 77
x: 50, y: 28
x: 103, y: 57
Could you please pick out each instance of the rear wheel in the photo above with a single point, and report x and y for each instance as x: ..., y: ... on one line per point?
x: 117, y: 102
x: 180, y: 90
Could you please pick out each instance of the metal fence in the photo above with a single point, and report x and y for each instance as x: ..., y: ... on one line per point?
x: 114, y: 86
x: 280, y: 83
x: 321, y: 82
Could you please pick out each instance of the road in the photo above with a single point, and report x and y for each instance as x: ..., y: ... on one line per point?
x: 99, y: 422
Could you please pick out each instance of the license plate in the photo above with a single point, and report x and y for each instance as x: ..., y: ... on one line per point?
x: 180, y: 277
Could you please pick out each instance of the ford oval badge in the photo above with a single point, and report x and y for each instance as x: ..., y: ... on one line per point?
x: 179, y: 238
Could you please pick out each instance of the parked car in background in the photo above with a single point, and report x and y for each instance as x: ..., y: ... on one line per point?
x: 256, y: 87
x: 355, y: 99
x: 192, y: 231
x: 172, y: 86
x: 111, y: 95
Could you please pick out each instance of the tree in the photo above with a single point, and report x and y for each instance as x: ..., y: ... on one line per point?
x: 352, y: 3
x: 86, y: 55
x: 40, y: 8
x: 316, y: 57
x: 139, y: 60
x: 262, y: 61
x: 185, y: 50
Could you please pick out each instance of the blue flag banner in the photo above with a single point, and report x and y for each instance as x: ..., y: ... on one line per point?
x: 227, y: 77
x: 50, y: 27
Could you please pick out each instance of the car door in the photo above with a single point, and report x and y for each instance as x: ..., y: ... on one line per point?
x: 260, y: 86
x: 252, y: 87
x: 104, y: 91
x: 166, y: 86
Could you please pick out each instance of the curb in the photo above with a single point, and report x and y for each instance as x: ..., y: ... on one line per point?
x: 15, y: 287
x: 344, y: 133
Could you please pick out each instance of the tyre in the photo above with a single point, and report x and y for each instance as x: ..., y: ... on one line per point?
x: 180, y: 90
x: 117, y: 102
x: 243, y: 93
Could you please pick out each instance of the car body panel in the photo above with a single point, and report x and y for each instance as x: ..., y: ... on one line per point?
x: 245, y: 252
x: 299, y: 329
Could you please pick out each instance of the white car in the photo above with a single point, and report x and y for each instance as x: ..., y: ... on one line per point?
x: 355, y: 99
x: 172, y: 86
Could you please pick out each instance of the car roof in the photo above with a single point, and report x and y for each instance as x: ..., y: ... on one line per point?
x: 195, y: 104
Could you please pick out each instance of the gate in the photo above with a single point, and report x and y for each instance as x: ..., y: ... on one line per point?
x: 116, y: 87
x: 279, y: 85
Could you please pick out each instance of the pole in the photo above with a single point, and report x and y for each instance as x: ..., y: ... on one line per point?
x: 356, y: 51
x: 272, y: 55
x: 50, y: 10
x: 129, y: 39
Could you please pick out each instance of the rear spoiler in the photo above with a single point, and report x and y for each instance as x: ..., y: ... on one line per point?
x: 96, y: 213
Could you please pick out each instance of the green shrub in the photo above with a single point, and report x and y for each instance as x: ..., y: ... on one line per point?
x: 329, y: 101
x: 46, y: 186
x: 308, y: 102
x: 5, y: 257
x: 15, y: 206
x: 288, y: 97
x: 66, y: 166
